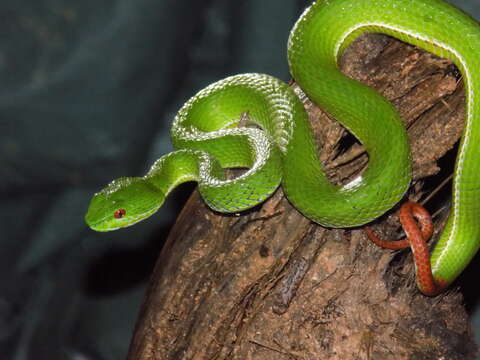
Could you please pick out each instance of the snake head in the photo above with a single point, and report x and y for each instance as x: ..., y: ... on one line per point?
x: 122, y: 203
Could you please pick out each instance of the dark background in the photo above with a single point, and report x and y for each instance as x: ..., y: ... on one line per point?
x: 88, y: 92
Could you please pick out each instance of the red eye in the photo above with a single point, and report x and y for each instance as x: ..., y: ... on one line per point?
x: 118, y: 214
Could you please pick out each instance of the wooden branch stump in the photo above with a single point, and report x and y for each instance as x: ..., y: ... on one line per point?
x: 270, y: 284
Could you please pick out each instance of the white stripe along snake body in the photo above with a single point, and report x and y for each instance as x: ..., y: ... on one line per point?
x: 282, y: 151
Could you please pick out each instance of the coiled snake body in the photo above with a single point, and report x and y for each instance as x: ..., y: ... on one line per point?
x: 280, y: 149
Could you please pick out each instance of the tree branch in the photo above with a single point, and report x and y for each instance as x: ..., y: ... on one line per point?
x: 270, y: 284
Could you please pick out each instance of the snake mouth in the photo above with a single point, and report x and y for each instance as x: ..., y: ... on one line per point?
x: 96, y: 225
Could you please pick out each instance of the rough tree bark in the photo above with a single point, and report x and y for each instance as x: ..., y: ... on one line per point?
x: 270, y: 284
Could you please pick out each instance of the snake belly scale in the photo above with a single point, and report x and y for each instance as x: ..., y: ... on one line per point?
x: 279, y: 147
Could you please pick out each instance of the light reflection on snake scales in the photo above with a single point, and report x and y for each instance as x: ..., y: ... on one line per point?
x: 208, y: 138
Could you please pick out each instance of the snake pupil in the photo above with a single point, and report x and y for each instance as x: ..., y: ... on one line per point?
x: 118, y: 214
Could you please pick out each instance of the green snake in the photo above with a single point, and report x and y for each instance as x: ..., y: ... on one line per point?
x: 277, y: 144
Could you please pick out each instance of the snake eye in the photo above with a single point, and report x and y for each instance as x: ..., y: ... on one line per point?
x: 118, y: 214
